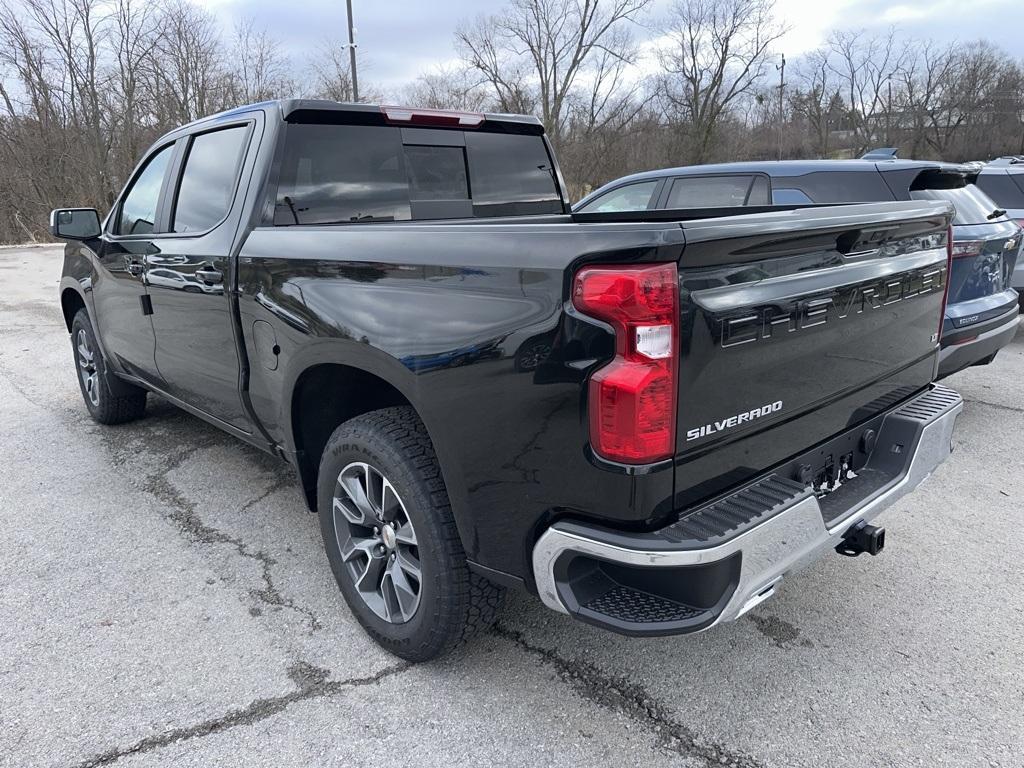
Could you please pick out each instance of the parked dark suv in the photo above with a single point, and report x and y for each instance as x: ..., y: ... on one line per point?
x: 982, y: 314
x: 1003, y: 181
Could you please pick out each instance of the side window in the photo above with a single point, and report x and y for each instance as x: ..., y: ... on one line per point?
x: 632, y: 197
x: 709, y: 191
x: 1000, y: 187
x: 789, y: 197
x: 209, y: 179
x: 138, y: 208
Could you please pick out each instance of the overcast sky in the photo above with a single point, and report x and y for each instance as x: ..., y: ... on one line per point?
x: 399, y: 39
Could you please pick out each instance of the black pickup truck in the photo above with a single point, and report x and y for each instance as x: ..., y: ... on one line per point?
x: 646, y: 419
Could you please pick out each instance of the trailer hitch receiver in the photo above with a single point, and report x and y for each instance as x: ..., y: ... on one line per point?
x: 862, y: 538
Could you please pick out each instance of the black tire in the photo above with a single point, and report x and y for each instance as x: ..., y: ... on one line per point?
x: 110, y: 400
x: 453, y: 602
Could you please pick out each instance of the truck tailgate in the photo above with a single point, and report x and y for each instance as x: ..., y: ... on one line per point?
x: 797, y: 325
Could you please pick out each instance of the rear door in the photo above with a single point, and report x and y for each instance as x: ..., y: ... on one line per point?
x: 189, y: 278
x: 795, y: 326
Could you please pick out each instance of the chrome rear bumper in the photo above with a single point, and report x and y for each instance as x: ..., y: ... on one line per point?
x: 609, y: 578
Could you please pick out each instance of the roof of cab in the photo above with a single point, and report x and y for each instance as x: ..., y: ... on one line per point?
x: 290, y: 107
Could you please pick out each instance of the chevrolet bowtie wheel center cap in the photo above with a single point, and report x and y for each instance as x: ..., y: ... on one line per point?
x: 387, y: 535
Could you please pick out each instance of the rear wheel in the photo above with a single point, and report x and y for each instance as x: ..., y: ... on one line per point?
x: 391, y: 539
x: 108, y: 399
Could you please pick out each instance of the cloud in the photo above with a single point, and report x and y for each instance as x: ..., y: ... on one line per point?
x: 397, y: 40
x: 400, y: 39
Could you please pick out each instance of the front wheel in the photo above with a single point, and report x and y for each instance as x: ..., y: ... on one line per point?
x: 108, y: 399
x: 391, y: 538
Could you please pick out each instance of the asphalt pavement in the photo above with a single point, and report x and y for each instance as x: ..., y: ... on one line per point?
x: 165, y: 600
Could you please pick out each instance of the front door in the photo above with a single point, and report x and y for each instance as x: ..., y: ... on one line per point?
x: 119, y: 291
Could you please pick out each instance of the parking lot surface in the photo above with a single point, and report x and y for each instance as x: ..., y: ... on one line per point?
x: 165, y: 599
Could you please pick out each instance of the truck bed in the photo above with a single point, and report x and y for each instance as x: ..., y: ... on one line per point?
x: 470, y: 320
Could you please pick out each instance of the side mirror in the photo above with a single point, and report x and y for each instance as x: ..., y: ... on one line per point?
x: 75, y: 223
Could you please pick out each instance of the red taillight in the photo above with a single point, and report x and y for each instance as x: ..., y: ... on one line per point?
x: 966, y: 248
x: 436, y: 117
x: 633, y: 398
x: 949, y: 274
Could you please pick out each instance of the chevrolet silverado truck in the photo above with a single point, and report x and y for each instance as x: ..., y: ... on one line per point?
x: 646, y: 419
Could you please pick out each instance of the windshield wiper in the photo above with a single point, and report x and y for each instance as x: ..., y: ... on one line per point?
x: 996, y: 213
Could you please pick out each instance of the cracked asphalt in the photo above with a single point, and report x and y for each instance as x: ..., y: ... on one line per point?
x: 164, y: 599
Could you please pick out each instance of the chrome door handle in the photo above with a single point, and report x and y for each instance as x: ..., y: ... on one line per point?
x: 208, y: 275
x: 134, y: 267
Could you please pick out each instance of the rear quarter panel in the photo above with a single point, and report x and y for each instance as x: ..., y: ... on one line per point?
x: 470, y: 323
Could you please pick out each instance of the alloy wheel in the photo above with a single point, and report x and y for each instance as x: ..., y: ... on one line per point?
x: 377, y: 542
x: 87, y: 367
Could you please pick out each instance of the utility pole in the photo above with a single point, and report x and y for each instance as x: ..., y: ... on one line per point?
x: 352, y: 52
x: 782, y: 84
x: 888, y: 119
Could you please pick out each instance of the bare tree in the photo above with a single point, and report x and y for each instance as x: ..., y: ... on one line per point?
x: 865, y: 67
x: 816, y: 99
x: 448, y: 87
x: 331, y: 66
x: 188, y: 69
x: 134, y: 37
x: 717, y: 51
x: 259, y: 70
x: 87, y: 85
x: 554, y: 48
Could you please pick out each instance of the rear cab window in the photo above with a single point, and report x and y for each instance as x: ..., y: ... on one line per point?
x: 335, y: 174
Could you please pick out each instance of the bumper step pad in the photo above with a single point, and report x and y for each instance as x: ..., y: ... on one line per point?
x: 736, y: 513
x: 930, y: 405
x: 725, y: 557
x: 634, y: 607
